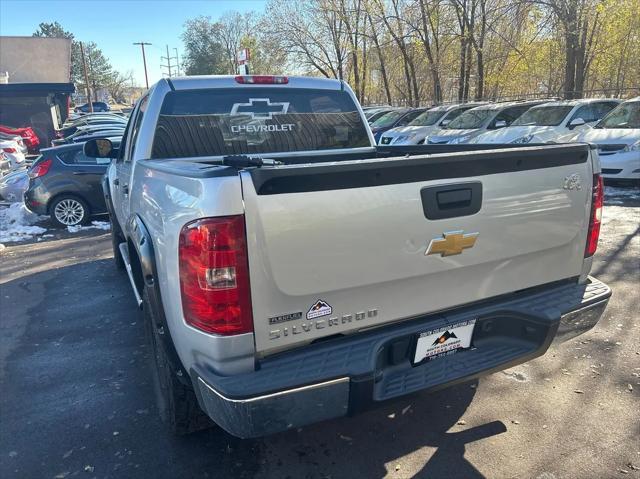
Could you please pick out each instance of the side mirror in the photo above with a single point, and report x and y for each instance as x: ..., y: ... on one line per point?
x: 445, y: 122
x: 100, y: 148
x: 576, y: 122
x: 500, y: 124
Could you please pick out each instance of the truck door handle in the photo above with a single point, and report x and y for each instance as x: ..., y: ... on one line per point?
x: 125, y: 189
x: 451, y: 201
x: 81, y: 172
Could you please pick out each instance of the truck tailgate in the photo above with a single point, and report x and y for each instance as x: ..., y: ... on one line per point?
x: 340, y: 247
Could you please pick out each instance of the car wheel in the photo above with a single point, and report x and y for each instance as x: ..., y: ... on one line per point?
x: 116, y: 239
x: 69, y: 211
x: 177, y: 403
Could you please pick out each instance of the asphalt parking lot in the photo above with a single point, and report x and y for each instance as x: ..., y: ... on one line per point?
x: 76, y: 397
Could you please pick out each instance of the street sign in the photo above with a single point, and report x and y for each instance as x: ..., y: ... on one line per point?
x: 243, y: 56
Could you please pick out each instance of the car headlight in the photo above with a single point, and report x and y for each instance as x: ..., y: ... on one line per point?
x: 523, y: 139
x: 460, y: 139
x: 400, y: 139
x: 632, y: 147
x: 385, y: 140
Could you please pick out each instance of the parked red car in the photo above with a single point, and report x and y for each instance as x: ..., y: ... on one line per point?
x: 27, y: 134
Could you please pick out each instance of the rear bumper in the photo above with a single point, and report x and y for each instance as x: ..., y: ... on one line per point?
x: 36, y: 197
x: 621, y: 166
x: 353, y: 373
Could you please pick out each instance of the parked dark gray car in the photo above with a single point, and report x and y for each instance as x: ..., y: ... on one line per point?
x: 65, y: 184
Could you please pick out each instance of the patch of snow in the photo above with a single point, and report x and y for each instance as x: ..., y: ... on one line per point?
x: 95, y: 225
x: 625, y: 215
x: 617, y: 192
x: 618, y: 223
x: 17, y: 223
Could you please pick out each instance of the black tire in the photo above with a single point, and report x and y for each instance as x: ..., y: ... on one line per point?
x: 177, y: 402
x: 116, y: 239
x: 69, y: 210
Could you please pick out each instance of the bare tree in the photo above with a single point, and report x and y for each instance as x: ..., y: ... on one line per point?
x: 381, y: 58
x: 396, y: 28
x: 579, y: 20
x: 310, y: 33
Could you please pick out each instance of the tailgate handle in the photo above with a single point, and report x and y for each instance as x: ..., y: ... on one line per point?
x: 454, y: 198
x: 451, y: 201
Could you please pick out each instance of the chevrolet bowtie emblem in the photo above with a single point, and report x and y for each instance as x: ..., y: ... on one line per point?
x: 260, y: 108
x: 451, y: 243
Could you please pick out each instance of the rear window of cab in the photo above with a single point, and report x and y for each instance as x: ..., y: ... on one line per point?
x: 237, y: 121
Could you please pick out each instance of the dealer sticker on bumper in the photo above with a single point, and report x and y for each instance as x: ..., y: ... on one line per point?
x: 439, y: 342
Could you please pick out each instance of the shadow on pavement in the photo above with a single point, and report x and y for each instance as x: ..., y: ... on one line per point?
x: 78, y: 397
x: 376, y: 443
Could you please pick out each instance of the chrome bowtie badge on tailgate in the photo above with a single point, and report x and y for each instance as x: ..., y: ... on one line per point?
x: 451, y: 243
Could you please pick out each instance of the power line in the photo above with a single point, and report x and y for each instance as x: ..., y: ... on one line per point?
x: 177, y: 61
x: 144, y: 60
x: 86, y: 78
x: 169, y: 60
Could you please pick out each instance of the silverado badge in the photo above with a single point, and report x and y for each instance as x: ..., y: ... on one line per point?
x: 451, y: 243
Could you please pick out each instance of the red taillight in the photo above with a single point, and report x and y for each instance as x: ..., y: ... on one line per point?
x: 33, y: 138
x: 9, y: 150
x: 597, y: 198
x: 262, y: 79
x: 40, y: 169
x: 214, y: 275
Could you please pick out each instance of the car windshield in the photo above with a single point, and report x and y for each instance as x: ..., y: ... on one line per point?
x: 543, y: 116
x: 388, y: 119
x: 427, y: 118
x: 254, y: 120
x: 626, y: 115
x: 470, y: 119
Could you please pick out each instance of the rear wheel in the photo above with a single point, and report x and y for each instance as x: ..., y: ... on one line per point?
x: 116, y: 239
x: 69, y: 210
x: 177, y: 402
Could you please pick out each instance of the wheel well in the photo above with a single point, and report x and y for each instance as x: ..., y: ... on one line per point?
x: 73, y: 195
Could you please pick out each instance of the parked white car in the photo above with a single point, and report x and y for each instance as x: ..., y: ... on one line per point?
x: 13, y: 185
x: 425, y: 124
x: 13, y: 151
x: 18, y: 139
x: 547, y: 122
x: 479, y: 120
x: 618, y: 138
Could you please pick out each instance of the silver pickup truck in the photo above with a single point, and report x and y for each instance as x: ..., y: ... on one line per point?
x: 290, y: 271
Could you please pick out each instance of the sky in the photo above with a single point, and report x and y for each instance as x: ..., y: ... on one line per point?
x: 114, y: 25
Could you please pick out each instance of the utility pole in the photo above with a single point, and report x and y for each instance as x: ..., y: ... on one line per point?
x: 93, y: 78
x: 86, y: 78
x: 168, y: 58
x: 144, y: 61
x: 177, y: 62
x: 168, y: 61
